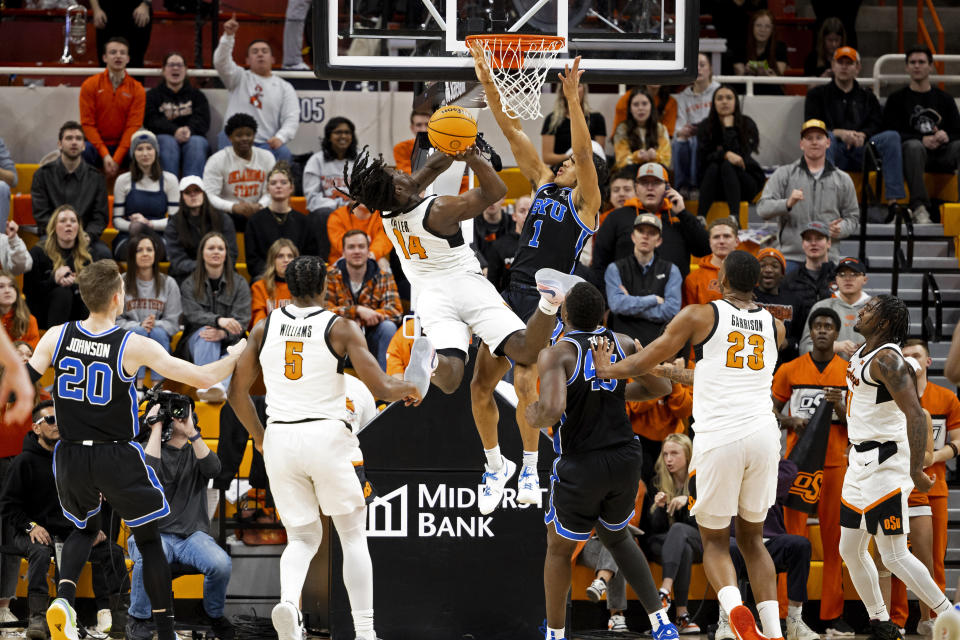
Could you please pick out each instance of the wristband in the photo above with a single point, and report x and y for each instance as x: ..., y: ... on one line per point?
x: 956, y: 452
x: 196, y: 437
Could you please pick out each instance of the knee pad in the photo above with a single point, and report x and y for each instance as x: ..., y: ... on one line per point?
x: 310, y: 535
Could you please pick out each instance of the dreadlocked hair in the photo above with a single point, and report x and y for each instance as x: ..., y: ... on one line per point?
x: 306, y: 276
x: 894, y: 312
x: 368, y: 183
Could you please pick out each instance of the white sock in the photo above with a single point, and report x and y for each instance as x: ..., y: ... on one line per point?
x: 658, y: 619
x: 769, y: 611
x: 547, y: 308
x: 555, y: 634
x: 795, y: 612
x: 363, y: 624
x: 494, y: 459
x: 530, y: 458
x: 729, y: 598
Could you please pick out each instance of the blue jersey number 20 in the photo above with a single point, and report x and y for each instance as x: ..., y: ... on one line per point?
x: 76, y: 379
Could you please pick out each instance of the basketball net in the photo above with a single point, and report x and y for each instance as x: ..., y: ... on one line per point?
x: 519, y: 65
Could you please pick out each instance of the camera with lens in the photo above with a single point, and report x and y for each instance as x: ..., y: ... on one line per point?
x: 173, y: 406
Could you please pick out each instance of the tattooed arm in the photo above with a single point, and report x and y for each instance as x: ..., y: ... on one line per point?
x: 891, y: 370
x: 674, y: 373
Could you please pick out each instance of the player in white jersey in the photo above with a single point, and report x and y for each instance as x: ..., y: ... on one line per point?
x: 312, y: 457
x: 737, y: 447
x: 888, y: 430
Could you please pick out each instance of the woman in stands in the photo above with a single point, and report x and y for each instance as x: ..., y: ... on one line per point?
x: 50, y: 286
x: 276, y: 220
x: 671, y: 534
x: 831, y: 37
x: 555, y: 134
x: 194, y: 219
x: 14, y: 313
x: 270, y: 291
x: 323, y: 177
x: 152, y: 304
x: 764, y: 55
x: 641, y: 138
x: 727, y: 140
x: 144, y: 196
x: 693, y: 106
x: 216, y: 309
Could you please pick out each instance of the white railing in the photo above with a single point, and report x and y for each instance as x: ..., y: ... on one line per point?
x: 89, y: 71
x: 880, y: 78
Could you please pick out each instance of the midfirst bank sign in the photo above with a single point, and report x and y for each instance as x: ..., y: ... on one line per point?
x: 442, y: 510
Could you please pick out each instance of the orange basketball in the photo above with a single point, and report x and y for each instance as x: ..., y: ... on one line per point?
x: 452, y: 129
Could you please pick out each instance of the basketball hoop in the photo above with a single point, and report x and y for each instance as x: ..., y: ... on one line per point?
x: 519, y: 65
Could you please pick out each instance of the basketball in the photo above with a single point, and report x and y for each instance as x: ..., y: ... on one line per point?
x: 452, y: 129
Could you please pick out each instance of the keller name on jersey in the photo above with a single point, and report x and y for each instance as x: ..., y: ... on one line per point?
x: 296, y: 331
x: 89, y: 348
x: 400, y: 225
x: 747, y: 324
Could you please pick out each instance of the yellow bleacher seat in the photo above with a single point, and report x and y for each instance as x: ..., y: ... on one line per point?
x: 517, y: 184
x: 721, y: 210
x: 241, y: 248
x: 25, y: 177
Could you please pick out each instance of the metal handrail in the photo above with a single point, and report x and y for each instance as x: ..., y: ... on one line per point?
x: 930, y: 288
x: 880, y: 78
x: 925, y: 35
x: 901, y: 216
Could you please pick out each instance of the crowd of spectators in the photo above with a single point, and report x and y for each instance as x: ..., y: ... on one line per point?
x: 175, y: 203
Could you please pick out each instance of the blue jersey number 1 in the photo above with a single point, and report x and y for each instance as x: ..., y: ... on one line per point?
x: 535, y: 240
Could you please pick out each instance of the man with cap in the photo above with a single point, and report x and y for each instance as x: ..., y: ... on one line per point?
x: 850, y: 276
x: 682, y: 235
x: 780, y: 303
x: 812, y: 281
x: 928, y: 122
x: 854, y: 119
x: 643, y: 290
x: 810, y: 189
x: 703, y: 285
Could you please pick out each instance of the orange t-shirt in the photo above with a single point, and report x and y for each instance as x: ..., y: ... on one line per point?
x: 401, y: 155
x: 343, y: 220
x: 800, y: 384
x: 31, y: 336
x: 261, y: 304
x: 656, y: 419
x: 398, y: 351
x: 702, y: 285
x: 944, y: 408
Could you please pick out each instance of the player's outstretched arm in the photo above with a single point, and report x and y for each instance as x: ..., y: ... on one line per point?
x: 238, y: 395
x: 15, y: 380
x: 141, y: 351
x: 649, y: 386
x: 586, y: 195
x: 685, y: 325
x: 447, y: 212
x: 552, y: 364
x: 528, y: 160
x: 346, y: 339
x: 890, y: 369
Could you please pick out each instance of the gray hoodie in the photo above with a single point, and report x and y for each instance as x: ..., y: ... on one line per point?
x: 164, y: 306
x: 825, y: 199
x: 321, y: 178
x: 848, y: 318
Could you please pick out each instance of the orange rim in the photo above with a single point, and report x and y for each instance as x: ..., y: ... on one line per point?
x: 507, y: 49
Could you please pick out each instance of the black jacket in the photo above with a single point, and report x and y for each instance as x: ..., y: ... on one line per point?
x: 182, y: 248
x: 84, y: 188
x: 166, y: 110
x: 713, y: 145
x: 263, y: 230
x: 499, y: 255
x: 30, y: 492
x: 39, y: 282
x: 683, y: 236
x: 807, y: 289
x: 856, y: 110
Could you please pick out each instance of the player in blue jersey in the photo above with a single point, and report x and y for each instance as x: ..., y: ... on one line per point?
x: 562, y: 218
x: 97, y: 458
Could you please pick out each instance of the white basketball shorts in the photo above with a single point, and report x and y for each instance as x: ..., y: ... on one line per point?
x: 313, y: 466
x: 463, y: 304
x: 737, y: 478
x: 876, y: 488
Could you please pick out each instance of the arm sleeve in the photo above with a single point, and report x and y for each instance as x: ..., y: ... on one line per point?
x: 213, y: 184
x: 782, y: 388
x: 88, y: 116
x: 199, y: 121
x: 695, y: 234
x: 258, y: 302
x: 620, y: 302
x: 13, y: 506
x: 134, y: 123
x: 241, y: 302
x: 209, y: 465
x: 622, y: 152
x: 664, y: 151
x: 337, y: 298
x: 39, y: 198
x: 390, y: 307
x: 20, y: 260
x: 120, y: 190
x: 290, y: 114
x: 847, y: 204
x: 672, y: 299
x: 680, y: 401
x: 773, y: 200
x: 229, y: 71
x: 169, y: 320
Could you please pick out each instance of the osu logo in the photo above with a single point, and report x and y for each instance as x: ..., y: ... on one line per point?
x: 807, y: 486
x: 891, y: 523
